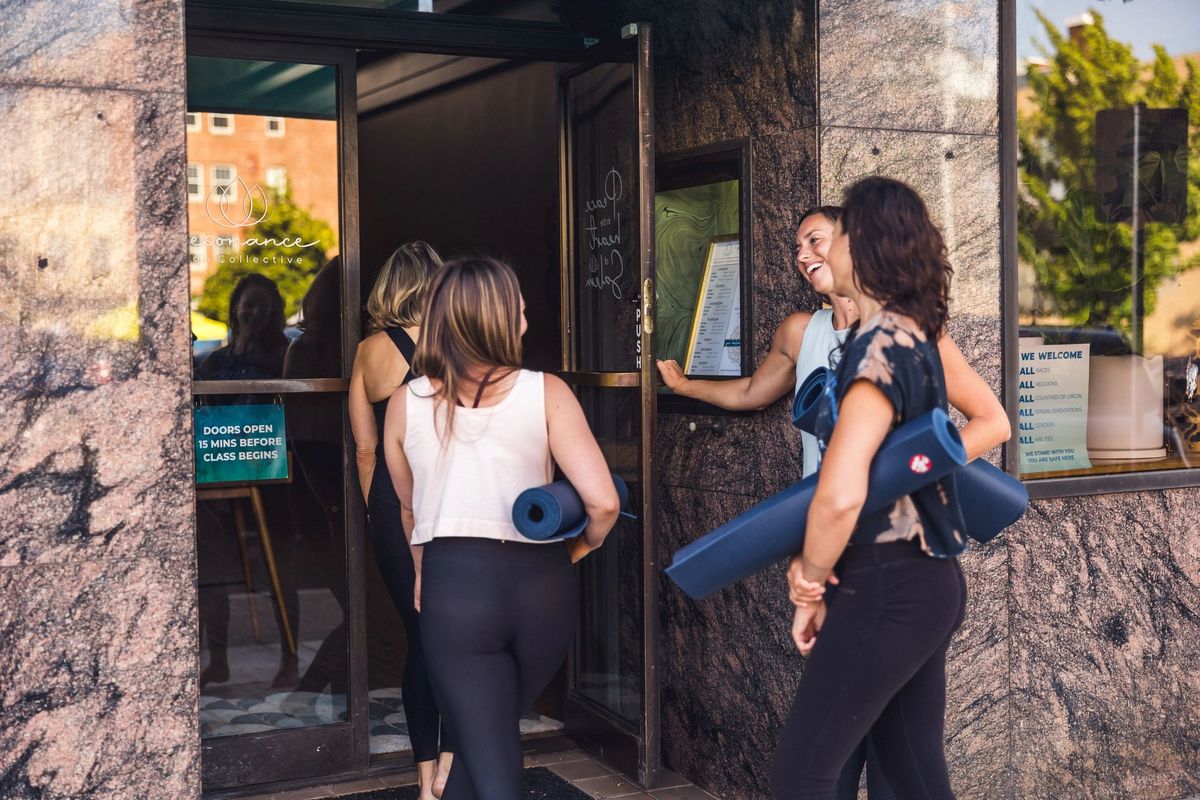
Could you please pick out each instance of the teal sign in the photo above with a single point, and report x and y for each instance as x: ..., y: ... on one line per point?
x: 239, y: 444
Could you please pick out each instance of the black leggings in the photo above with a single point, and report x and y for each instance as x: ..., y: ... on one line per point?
x: 878, y: 668
x: 497, y: 619
x: 396, y: 565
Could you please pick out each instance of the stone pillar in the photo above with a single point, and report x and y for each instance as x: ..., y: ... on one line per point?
x: 910, y: 90
x: 98, y: 639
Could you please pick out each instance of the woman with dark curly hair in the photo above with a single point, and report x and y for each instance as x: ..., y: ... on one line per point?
x: 877, y: 652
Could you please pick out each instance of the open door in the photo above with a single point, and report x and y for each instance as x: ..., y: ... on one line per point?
x: 607, y: 153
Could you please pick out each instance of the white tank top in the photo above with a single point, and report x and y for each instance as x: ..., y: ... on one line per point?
x: 820, y: 348
x: 466, y: 486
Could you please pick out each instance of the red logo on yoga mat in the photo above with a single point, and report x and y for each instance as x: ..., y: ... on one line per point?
x: 920, y: 464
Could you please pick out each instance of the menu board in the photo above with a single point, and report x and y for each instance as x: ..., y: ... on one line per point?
x: 1052, y: 407
x: 715, y: 344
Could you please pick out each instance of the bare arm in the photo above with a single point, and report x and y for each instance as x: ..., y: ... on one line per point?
x: 772, y: 379
x: 987, y: 424
x: 362, y: 424
x: 577, y: 454
x: 864, y: 420
x: 398, y: 468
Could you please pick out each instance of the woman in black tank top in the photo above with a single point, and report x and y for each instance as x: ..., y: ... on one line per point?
x: 381, y: 365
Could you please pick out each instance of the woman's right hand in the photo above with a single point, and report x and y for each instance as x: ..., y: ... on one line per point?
x: 672, y: 375
x: 808, y: 620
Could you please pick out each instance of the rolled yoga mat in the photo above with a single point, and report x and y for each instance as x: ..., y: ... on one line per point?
x: 555, y: 511
x: 807, y: 401
x: 990, y: 498
x: 913, y: 455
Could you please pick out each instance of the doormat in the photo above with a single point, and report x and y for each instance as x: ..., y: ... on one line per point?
x: 540, y: 784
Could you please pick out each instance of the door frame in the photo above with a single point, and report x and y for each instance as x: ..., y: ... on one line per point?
x: 636, y: 752
x: 288, y: 31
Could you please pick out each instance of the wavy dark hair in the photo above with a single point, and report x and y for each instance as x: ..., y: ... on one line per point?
x: 899, y: 254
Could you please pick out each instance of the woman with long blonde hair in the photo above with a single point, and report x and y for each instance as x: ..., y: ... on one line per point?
x: 498, y: 611
x: 382, y: 364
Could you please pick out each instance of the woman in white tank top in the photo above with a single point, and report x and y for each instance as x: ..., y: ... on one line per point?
x: 498, y: 611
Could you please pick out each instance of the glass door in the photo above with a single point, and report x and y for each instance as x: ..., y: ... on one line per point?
x: 607, y: 153
x: 274, y: 302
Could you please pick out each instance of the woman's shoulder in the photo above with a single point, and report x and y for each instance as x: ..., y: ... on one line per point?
x: 892, y: 327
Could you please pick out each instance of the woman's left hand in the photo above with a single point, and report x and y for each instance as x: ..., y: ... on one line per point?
x: 802, y: 591
x: 805, y: 625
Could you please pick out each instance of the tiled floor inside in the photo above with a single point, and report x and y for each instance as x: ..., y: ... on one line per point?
x: 580, y: 770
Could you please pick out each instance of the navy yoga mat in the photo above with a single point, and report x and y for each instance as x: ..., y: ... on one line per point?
x: 990, y: 498
x: 555, y: 511
x: 807, y: 401
x: 912, y: 456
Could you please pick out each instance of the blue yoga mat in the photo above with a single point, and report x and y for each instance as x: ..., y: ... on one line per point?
x: 912, y: 456
x: 555, y: 511
x: 807, y: 401
x: 990, y: 498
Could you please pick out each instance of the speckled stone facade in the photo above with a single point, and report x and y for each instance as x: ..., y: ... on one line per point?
x: 98, y: 651
x: 1073, y: 676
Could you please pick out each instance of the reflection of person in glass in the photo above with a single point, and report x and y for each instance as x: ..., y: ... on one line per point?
x: 315, y: 493
x: 498, y: 611
x: 257, y: 342
x: 805, y: 342
x: 381, y: 365
x: 255, y: 352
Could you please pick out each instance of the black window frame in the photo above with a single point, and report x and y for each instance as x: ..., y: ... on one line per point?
x: 1010, y: 305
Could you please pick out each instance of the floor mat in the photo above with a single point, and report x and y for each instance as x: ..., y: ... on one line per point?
x: 540, y: 784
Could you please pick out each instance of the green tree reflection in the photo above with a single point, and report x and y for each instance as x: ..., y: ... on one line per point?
x: 288, y: 245
x: 1082, y: 264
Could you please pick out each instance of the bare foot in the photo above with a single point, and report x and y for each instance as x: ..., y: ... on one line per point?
x: 425, y: 773
x: 445, y: 761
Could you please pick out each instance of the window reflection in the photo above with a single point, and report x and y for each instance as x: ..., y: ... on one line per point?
x: 262, y: 200
x: 1108, y: 239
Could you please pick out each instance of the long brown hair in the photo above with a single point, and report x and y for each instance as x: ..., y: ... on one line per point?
x: 472, y: 320
x: 899, y: 254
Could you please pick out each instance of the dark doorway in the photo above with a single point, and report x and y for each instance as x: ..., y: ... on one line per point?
x: 461, y: 153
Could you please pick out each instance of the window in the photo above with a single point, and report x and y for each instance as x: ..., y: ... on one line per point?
x: 220, y: 123
x: 193, y: 122
x: 226, y: 247
x: 277, y: 179
x: 195, y: 183
x: 224, y: 180
x: 1107, y: 243
x: 274, y: 126
x: 197, y: 253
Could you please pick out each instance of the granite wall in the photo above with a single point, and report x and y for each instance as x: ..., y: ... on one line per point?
x: 924, y: 108
x: 97, y: 573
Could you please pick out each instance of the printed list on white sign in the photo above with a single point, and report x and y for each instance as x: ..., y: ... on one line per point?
x: 1052, y: 387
